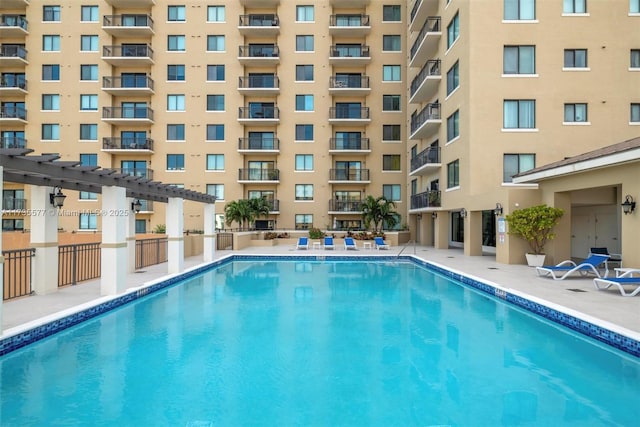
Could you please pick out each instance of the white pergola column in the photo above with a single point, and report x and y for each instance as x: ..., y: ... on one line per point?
x: 175, y: 228
x: 44, y: 238
x: 1, y: 257
x: 113, y: 276
x: 209, y: 232
x: 131, y: 238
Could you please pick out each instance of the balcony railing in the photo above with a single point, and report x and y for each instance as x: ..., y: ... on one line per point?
x: 349, y: 113
x: 14, y: 21
x: 12, y: 203
x: 428, y: 199
x: 345, y: 205
x: 255, y: 174
x: 146, y: 205
x: 258, y: 82
x: 127, y: 113
x: 258, y: 113
x: 13, y: 142
x: 349, y: 144
x: 414, y: 9
x: 349, y: 82
x: 338, y: 51
x: 259, y: 20
x: 431, y: 25
x: 349, y: 174
x: 143, y: 173
x: 259, y: 51
x: 429, y: 156
x: 274, y: 205
x: 429, y: 112
x: 430, y: 69
x: 127, y: 21
x: 133, y: 82
x: 116, y: 143
x: 258, y: 143
x: 12, y: 112
x: 13, y: 51
x: 13, y: 83
x: 349, y: 21
x: 124, y: 51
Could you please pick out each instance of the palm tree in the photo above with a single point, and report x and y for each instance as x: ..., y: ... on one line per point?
x: 378, y: 211
x: 260, y: 206
x: 238, y: 211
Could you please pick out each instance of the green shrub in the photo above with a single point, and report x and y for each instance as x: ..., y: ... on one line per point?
x: 535, y: 225
x: 316, y: 233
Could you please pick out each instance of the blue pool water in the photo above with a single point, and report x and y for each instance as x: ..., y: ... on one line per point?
x: 318, y: 344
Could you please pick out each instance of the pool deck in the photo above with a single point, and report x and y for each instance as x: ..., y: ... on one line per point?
x: 577, y: 295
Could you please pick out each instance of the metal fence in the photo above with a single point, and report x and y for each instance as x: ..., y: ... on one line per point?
x: 224, y: 241
x: 17, y: 273
x: 78, y: 262
x: 151, y: 251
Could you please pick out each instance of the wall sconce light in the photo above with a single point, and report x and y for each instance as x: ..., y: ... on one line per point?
x: 434, y: 215
x: 57, y: 198
x: 136, y: 206
x: 498, y: 210
x: 463, y: 213
x: 629, y: 205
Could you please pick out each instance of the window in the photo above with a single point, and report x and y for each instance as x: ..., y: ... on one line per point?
x: 453, y: 78
x: 634, y: 6
x: 304, y: 132
x: 89, y: 72
x: 176, y: 43
x: 391, y: 132
x: 304, y: 14
x: 215, y: 43
x: 575, y: 113
x: 574, y: 6
x: 575, y: 58
x: 514, y: 164
x: 453, y: 126
x: 304, y: 221
x: 215, y: 132
x: 175, y: 132
x: 304, y: 73
x: 635, y: 113
x: 304, y: 43
x: 89, y: 43
x: 175, y: 162
x: 216, y: 190
x: 304, y: 162
x: 391, y: 43
x: 453, y: 174
x: 635, y: 58
x: 50, y: 132
x: 51, y: 72
x: 519, y: 60
x: 304, y: 102
x: 50, y: 102
x: 89, y: 132
x: 175, y: 73
x: 519, y: 10
x: 89, y: 102
x: 391, y: 103
x: 391, y: 192
x: 453, y: 30
x: 51, y: 13
x: 519, y: 114
x: 391, y: 73
x: 88, y: 160
x: 89, y: 13
x: 391, y: 13
x: 215, y: 14
x: 175, y: 102
x: 391, y: 162
x: 88, y: 221
x: 215, y: 73
x: 215, y: 162
x: 176, y: 13
x: 51, y: 43
x: 304, y: 191
x: 215, y: 102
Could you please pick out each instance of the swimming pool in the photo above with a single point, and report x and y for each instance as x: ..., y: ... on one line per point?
x: 310, y: 342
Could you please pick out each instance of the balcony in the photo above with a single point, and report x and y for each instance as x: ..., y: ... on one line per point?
x: 13, y: 26
x: 14, y: 4
x: 426, y: 162
x: 131, y: 4
x: 425, y: 84
x: 338, y: 176
x: 262, y: 25
x: 426, y: 43
x: 11, y: 115
x: 426, y: 122
x: 345, y: 207
x: 260, y: 3
x: 349, y: 25
x: 274, y: 206
x: 258, y: 116
x: 259, y: 145
x: 247, y: 176
x: 128, y: 55
x: 7, y: 142
x: 128, y: 25
x: 349, y: 4
x: 349, y: 55
x: 13, y: 55
x: 142, y: 173
x: 260, y: 85
x: 12, y: 204
x: 349, y: 146
x: 349, y: 116
x: 138, y: 85
x: 427, y: 199
x: 259, y: 55
x: 12, y: 85
x: 127, y: 115
x: 420, y: 11
x: 349, y: 85
x: 116, y: 145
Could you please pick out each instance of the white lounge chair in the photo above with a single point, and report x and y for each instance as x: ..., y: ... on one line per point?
x: 328, y: 243
x: 349, y: 243
x: 567, y: 268
x: 303, y: 243
x: 380, y: 244
x: 626, y: 279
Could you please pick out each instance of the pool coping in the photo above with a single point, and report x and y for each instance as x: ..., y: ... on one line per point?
x: 604, y: 332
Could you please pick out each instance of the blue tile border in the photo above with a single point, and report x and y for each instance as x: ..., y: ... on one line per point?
x: 598, y: 333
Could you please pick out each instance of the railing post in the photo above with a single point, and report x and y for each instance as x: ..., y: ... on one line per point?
x: 74, y: 264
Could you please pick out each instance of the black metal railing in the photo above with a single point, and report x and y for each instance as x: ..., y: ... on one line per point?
x: 430, y: 69
x: 427, y: 156
x: 431, y: 25
x: 144, y: 173
x: 116, y: 143
x: 13, y: 142
x: 259, y: 20
x: 349, y: 82
x: 350, y: 112
x: 19, y: 21
x: 264, y: 143
x: 259, y: 82
x: 349, y: 174
x: 13, y: 203
x: 12, y: 112
x: 274, y: 204
x: 15, y: 83
x: 17, y: 273
x: 13, y: 51
x: 427, y: 199
x: 127, y: 82
x: 345, y: 205
x: 258, y: 113
x: 146, y: 205
x: 224, y: 241
x: 429, y: 112
x: 259, y: 51
x: 255, y: 174
x: 78, y: 262
x: 127, y: 113
x: 349, y: 21
x: 414, y: 9
x: 151, y: 251
x: 349, y: 143
x: 350, y: 51
x: 127, y: 21
x: 128, y: 51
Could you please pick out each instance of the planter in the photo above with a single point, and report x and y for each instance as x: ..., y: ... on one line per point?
x: 534, y: 260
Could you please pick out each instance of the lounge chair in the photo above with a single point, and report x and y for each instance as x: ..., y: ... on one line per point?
x: 380, y: 244
x: 627, y: 279
x: 567, y: 268
x: 349, y: 243
x: 328, y: 243
x: 615, y: 260
x: 303, y: 243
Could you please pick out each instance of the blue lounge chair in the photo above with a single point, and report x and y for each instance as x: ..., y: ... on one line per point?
x: 328, y: 243
x: 349, y: 243
x: 627, y: 279
x: 303, y: 243
x: 567, y: 268
x: 380, y: 244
